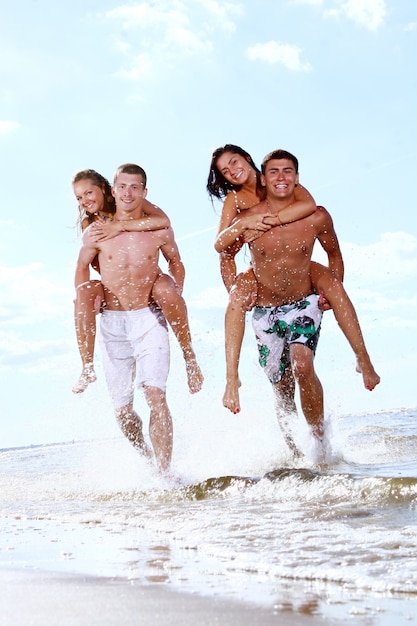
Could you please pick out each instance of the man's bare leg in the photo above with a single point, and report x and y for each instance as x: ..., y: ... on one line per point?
x: 131, y: 426
x: 311, y: 391
x: 285, y: 407
x: 85, y: 309
x: 240, y: 300
x: 172, y: 304
x: 346, y: 317
x: 160, y: 426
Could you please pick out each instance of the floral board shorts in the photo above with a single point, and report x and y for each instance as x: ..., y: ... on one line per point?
x: 276, y: 328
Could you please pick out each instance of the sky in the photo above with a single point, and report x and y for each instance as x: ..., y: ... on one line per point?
x: 93, y: 84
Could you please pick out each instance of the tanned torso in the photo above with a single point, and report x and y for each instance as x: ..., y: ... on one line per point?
x: 281, y: 257
x: 129, y: 266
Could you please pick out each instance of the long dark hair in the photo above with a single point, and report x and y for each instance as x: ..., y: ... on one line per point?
x: 217, y: 185
x: 98, y: 180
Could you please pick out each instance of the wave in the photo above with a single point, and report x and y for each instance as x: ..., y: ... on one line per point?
x: 308, y: 485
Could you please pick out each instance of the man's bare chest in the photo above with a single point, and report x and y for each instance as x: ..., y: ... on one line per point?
x: 283, y: 243
x: 129, y: 250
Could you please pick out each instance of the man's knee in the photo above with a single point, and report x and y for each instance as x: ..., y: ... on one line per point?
x: 302, y: 362
x: 239, y: 297
x: 164, y: 291
x: 155, y: 396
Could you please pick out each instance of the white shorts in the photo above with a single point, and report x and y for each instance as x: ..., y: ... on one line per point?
x: 135, y: 351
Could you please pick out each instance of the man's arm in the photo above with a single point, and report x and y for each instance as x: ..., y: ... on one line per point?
x: 330, y: 243
x: 172, y: 255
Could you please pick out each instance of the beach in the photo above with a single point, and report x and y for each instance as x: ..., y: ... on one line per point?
x: 91, y: 534
x: 40, y: 598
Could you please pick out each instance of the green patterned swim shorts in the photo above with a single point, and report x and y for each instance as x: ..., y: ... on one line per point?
x: 278, y: 327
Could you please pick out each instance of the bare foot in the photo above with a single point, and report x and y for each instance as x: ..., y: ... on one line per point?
x: 194, y: 374
x: 88, y: 376
x: 369, y: 375
x: 231, y: 396
x: 321, y: 447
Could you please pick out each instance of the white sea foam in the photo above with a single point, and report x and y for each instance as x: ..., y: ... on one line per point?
x: 241, y: 518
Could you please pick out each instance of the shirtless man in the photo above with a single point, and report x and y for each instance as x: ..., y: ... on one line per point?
x: 134, y: 335
x: 287, y: 316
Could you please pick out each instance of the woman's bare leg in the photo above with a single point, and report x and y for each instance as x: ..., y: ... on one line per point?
x: 167, y: 297
x: 345, y: 314
x: 88, y: 296
x: 241, y: 298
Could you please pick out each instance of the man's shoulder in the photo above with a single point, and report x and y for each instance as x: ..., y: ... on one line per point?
x: 162, y: 235
x: 147, y: 206
x: 323, y: 220
x: 321, y: 213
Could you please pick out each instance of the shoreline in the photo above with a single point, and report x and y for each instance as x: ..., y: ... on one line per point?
x: 37, y: 597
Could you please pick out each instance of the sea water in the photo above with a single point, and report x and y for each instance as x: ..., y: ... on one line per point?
x: 333, y: 540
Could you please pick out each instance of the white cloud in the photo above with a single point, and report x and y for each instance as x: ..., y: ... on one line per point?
x: 35, y: 310
x: 30, y: 296
x: 275, y: 52
x: 30, y: 353
x: 172, y: 25
x: 393, y: 258
x: 139, y: 66
x: 7, y: 126
x: 168, y: 31
x: 223, y: 11
x: 312, y: 2
x: 367, y: 13
x: 379, y: 276
x: 411, y: 26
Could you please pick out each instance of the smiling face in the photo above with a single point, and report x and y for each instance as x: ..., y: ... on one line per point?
x: 89, y: 195
x: 234, y: 167
x: 280, y: 178
x: 129, y: 191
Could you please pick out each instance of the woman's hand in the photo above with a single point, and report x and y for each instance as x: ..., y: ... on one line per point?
x: 101, y: 230
x: 254, y: 226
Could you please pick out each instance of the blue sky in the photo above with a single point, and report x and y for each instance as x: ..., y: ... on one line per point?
x: 96, y: 84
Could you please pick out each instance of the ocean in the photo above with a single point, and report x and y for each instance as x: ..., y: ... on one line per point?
x: 336, y: 540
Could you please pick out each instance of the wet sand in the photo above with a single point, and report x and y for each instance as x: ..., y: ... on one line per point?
x: 34, y: 598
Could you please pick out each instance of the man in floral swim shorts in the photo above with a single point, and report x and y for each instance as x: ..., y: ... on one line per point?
x: 287, y: 317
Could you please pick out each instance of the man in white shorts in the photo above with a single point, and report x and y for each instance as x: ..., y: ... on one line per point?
x: 134, y: 335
